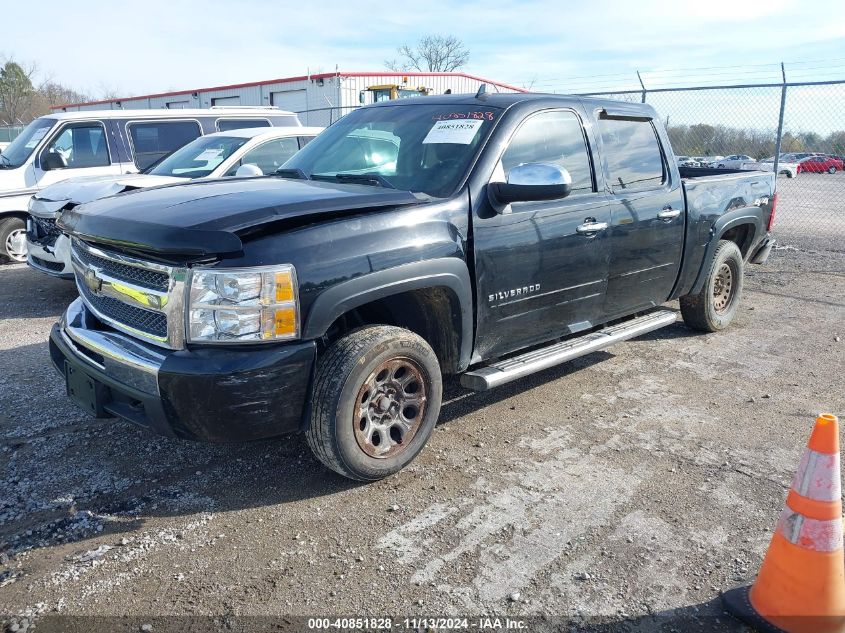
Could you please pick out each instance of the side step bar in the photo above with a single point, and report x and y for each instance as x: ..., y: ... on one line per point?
x: 505, y: 371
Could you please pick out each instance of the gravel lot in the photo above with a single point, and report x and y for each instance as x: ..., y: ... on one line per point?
x: 623, y: 491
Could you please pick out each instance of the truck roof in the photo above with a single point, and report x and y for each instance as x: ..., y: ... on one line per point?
x: 507, y: 99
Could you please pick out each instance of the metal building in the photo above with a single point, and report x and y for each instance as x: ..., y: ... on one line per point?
x: 319, y: 99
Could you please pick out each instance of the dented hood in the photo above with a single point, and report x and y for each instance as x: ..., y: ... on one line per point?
x: 206, y: 217
x: 87, y: 189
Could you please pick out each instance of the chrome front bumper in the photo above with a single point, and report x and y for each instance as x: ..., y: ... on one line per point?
x: 119, y: 356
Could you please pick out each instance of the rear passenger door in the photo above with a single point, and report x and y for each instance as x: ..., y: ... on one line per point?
x: 152, y: 140
x: 647, y: 217
x: 540, y: 273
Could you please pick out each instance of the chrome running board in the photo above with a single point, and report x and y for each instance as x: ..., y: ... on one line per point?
x: 505, y: 371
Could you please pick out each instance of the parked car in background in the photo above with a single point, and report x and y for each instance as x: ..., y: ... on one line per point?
x: 248, y: 152
x: 687, y: 161
x: 103, y: 143
x: 734, y: 161
x: 787, y: 165
x: 820, y: 164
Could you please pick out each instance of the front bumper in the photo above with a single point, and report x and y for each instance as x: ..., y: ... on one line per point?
x: 207, y: 394
x: 52, y: 259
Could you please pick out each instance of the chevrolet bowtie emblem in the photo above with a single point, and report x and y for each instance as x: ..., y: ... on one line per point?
x: 92, y: 280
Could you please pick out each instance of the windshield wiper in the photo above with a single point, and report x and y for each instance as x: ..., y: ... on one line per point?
x: 361, y: 179
x: 298, y: 174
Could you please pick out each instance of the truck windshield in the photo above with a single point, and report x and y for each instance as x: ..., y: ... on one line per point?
x: 198, y: 158
x: 22, y: 147
x: 420, y: 147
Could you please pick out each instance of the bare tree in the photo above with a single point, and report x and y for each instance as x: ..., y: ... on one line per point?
x: 16, y: 90
x: 432, y: 53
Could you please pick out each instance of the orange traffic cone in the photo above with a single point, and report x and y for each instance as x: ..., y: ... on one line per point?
x: 801, y: 584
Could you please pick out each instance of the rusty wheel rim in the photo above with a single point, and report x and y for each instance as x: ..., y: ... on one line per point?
x: 723, y: 289
x: 390, y: 408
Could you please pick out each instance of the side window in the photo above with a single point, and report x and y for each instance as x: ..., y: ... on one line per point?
x: 552, y: 137
x: 304, y: 140
x: 634, y: 159
x: 79, y: 145
x: 224, y: 125
x: 152, y: 140
x: 268, y: 157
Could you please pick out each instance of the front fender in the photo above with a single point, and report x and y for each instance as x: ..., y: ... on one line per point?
x: 447, y: 272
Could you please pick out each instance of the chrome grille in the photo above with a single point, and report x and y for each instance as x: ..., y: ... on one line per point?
x: 141, y: 298
x: 133, y: 274
x: 153, y: 323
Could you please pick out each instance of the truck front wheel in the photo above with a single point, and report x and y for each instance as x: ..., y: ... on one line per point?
x: 715, y: 306
x: 377, y: 396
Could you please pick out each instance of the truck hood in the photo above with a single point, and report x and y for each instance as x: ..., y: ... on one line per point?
x: 90, y: 188
x: 207, y: 217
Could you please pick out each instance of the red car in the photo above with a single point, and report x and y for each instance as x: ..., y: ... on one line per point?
x: 819, y: 164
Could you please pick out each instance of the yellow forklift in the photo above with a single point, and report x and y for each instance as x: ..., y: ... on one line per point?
x: 389, y: 92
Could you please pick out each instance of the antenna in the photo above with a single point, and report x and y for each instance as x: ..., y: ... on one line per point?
x: 482, y: 91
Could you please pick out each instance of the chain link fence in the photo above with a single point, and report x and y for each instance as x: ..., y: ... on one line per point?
x: 8, y: 133
x: 802, y: 125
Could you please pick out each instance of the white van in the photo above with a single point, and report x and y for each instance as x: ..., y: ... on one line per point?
x: 100, y: 143
x: 249, y: 152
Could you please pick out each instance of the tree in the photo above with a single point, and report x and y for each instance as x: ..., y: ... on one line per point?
x: 16, y: 90
x: 432, y: 53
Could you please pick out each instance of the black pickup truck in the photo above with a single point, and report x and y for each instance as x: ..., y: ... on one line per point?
x: 486, y: 236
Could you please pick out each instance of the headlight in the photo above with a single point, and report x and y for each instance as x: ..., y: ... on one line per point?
x: 243, y: 304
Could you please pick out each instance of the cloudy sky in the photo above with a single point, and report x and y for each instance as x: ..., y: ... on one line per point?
x: 131, y: 48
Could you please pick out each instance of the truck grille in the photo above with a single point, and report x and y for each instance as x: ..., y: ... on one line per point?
x: 148, y: 321
x: 144, y: 299
x: 133, y: 274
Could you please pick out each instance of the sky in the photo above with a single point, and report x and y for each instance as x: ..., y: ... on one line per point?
x: 130, y: 48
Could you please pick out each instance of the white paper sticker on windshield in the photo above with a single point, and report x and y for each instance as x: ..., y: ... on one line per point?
x: 459, y: 131
x: 36, y: 136
x: 209, y: 154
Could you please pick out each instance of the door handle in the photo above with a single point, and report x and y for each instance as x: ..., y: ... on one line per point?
x: 591, y: 227
x: 668, y: 213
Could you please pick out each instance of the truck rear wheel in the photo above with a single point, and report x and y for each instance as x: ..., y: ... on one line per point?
x: 12, y: 240
x: 377, y: 396
x: 715, y: 306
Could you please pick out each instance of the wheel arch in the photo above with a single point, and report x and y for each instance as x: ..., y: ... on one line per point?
x: 432, y: 298
x: 743, y: 227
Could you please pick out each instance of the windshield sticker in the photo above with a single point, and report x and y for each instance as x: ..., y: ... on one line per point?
x: 36, y: 136
x: 484, y: 116
x: 457, y: 131
x: 209, y: 154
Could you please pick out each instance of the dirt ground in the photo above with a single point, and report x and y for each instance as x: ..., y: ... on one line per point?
x: 623, y: 491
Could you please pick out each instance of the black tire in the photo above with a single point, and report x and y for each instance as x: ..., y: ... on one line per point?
x: 831, y: 169
x: 347, y: 370
x: 711, y: 310
x: 7, y: 227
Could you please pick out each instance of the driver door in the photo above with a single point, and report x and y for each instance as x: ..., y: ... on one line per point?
x: 539, y: 274
x: 76, y: 149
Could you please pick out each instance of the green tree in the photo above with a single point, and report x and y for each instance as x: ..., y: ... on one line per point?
x: 16, y: 90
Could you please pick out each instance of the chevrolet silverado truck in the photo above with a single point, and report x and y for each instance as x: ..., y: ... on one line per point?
x: 485, y: 237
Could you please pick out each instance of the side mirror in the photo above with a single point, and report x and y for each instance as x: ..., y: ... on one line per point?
x: 53, y: 160
x: 249, y: 170
x: 532, y: 182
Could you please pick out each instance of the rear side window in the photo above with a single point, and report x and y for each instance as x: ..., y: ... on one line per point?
x: 224, y: 125
x: 555, y: 137
x: 152, y: 140
x: 632, y: 153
